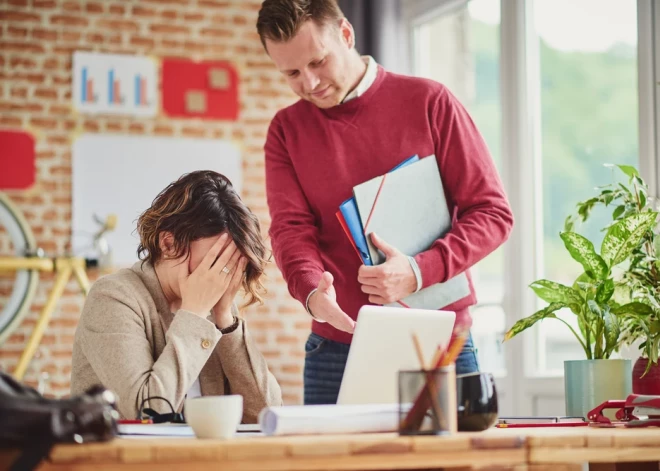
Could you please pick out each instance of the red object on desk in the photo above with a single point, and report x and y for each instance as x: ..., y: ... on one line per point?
x: 136, y: 421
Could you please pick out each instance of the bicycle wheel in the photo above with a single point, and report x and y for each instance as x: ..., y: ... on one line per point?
x: 25, y: 282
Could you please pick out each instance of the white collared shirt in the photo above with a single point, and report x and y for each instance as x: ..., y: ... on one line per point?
x: 368, y: 79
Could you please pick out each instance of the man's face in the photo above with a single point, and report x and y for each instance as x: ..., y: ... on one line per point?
x: 317, y: 62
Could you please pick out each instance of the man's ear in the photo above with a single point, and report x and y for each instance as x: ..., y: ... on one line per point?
x: 347, y: 33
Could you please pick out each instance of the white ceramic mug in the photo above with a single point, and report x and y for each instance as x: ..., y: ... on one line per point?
x: 214, y: 416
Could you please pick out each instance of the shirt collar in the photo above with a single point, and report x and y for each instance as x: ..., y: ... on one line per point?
x: 367, y: 80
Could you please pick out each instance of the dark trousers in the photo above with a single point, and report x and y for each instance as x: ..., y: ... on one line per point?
x: 325, y: 361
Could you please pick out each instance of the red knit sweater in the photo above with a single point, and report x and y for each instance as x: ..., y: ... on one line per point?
x: 315, y: 156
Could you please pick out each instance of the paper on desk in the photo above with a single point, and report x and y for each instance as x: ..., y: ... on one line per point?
x: 163, y: 430
x: 329, y: 419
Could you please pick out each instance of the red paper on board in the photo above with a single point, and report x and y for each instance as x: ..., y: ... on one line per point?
x: 181, y: 76
x: 17, y: 160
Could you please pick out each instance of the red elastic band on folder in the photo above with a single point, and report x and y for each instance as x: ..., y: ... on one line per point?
x: 371, y: 212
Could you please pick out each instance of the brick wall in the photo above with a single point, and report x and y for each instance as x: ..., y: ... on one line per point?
x: 37, y: 39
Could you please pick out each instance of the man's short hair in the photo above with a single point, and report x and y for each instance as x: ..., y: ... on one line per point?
x: 280, y: 20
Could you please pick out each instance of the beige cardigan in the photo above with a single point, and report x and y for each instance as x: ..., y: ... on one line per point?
x: 129, y: 341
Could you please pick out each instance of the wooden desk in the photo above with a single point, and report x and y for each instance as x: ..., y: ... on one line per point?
x: 604, y: 449
x: 340, y: 452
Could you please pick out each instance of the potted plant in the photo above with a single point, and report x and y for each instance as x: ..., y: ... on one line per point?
x: 641, y: 278
x: 595, y: 299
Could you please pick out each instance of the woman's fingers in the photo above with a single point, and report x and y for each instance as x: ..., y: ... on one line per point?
x: 224, y: 258
x: 212, y: 254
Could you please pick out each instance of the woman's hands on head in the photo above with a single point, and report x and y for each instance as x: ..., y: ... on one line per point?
x: 215, y: 276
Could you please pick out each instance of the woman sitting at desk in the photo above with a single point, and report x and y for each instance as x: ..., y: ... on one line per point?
x: 168, y: 326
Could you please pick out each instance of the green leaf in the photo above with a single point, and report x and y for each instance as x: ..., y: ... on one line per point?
x: 618, y: 212
x: 635, y: 309
x: 552, y: 292
x: 624, y: 236
x: 527, y: 322
x: 612, y: 331
x: 642, y: 199
x: 582, y: 250
x: 605, y: 291
x: 629, y: 170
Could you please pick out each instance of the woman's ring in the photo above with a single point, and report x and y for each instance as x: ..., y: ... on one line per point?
x: 226, y: 270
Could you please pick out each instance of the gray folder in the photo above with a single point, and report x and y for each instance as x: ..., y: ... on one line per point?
x: 410, y: 214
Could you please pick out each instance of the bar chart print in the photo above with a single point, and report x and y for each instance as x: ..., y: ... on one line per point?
x: 87, y: 85
x: 115, y: 84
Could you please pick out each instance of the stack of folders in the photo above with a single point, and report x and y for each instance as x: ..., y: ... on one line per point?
x: 407, y: 208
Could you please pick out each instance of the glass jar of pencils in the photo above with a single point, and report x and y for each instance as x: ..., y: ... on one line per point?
x: 427, y: 401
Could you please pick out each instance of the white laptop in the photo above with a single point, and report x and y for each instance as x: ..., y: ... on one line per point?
x: 383, y: 345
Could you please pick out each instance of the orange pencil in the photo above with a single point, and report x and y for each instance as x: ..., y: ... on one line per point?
x: 415, y: 416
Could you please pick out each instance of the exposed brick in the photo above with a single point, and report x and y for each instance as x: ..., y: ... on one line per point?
x: 144, y: 11
x: 69, y: 20
x: 50, y: 64
x: 162, y: 130
x: 95, y: 38
x: 17, y: 3
x: 169, y: 29
x: 193, y: 132
x: 11, y: 121
x: 18, y: 92
x: 239, y: 20
x: 114, y: 126
x: 71, y: 36
x: 9, y: 17
x: 43, y: 123
x: 46, y: 4
x: 22, y: 62
x: 21, y: 47
x: 168, y: 2
x: 62, y: 80
x: 60, y: 109
x: 216, y: 33
x: 91, y: 126
x: 212, y: 4
x: 40, y: 33
x: 136, y: 128
x: 193, y: 17
x: 72, y: 6
x: 15, y: 32
x: 171, y: 43
x: 118, y: 25
x: 94, y: 7
x: 118, y: 10
x: 47, y: 93
x: 142, y: 41
x: 169, y: 14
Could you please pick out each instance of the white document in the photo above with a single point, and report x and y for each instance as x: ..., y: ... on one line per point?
x: 162, y: 430
x: 410, y: 213
x: 329, y: 419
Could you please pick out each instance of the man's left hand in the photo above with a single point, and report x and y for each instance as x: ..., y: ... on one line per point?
x: 390, y: 281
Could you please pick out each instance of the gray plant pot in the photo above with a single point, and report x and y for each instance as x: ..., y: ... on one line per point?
x: 589, y: 383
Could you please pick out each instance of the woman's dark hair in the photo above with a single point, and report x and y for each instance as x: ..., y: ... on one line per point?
x: 198, y: 205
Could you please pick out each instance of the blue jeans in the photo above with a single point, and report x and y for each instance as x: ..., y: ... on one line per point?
x: 325, y: 361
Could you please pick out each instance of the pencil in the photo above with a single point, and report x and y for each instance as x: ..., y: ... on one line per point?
x: 430, y: 384
x: 415, y: 416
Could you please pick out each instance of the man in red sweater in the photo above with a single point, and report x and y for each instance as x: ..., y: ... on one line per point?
x: 356, y: 121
